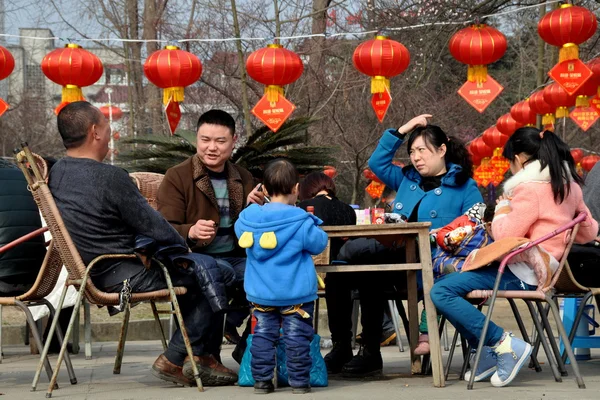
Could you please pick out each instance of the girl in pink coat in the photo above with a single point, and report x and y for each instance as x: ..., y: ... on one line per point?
x: 543, y: 194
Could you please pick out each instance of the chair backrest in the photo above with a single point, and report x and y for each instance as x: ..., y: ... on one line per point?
x: 47, y: 276
x: 148, y: 184
x: 60, y: 236
x: 574, y: 226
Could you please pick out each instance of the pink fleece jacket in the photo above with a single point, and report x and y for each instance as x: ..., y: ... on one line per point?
x: 532, y: 212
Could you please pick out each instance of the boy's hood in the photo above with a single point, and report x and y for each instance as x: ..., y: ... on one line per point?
x: 271, y: 227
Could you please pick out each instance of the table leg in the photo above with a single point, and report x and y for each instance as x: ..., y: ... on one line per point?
x: 413, y: 311
x: 432, y: 323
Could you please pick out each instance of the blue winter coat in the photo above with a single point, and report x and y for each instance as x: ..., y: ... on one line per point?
x: 279, y: 240
x: 439, y: 206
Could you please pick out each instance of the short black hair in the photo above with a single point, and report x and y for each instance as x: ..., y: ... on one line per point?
x: 280, y: 177
x: 217, y: 117
x: 74, y: 121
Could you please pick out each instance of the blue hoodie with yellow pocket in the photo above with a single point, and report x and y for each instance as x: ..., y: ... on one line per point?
x: 279, y: 240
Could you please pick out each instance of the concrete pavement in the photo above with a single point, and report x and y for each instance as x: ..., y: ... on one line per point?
x: 96, y: 381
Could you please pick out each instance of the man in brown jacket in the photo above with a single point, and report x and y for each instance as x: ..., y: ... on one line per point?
x: 202, y: 198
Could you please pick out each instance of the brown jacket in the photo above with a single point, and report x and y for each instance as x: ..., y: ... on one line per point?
x: 186, y: 195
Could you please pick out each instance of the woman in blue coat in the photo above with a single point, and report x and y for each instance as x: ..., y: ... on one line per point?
x: 437, y: 187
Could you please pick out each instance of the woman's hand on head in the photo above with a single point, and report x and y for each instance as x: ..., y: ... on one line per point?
x: 418, y: 121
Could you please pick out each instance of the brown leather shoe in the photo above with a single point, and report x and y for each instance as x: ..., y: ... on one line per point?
x: 212, y: 372
x: 167, y: 371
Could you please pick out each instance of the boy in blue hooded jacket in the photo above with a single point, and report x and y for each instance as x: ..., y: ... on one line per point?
x: 280, y: 279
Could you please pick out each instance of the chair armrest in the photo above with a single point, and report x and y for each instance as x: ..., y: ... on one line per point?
x: 23, y: 239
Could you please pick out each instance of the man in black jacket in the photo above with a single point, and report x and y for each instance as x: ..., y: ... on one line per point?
x: 19, y: 216
x: 104, y: 213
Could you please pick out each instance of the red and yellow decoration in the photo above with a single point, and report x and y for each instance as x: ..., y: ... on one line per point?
x: 72, y: 67
x: 588, y: 162
x: 116, y: 112
x: 539, y: 106
x: 375, y: 187
x: 559, y: 99
x: 577, y: 155
x: 507, y: 125
x: 172, y: 69
x: 7, y: 65
x: 381, y: 58
x: 523, y: 114
x: 274, y: 67
x: 477, y: 46
x: 567, y: 27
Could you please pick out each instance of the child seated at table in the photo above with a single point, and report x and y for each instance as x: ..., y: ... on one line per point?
x: 280, y: 279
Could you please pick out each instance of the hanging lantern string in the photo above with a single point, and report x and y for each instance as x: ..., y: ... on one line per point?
x: 252, y: 39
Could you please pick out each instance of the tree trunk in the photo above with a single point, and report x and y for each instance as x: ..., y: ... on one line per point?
x: 133, y: 51
x: 242, y: 68
x: 317, y: 47
x: 153, y: 94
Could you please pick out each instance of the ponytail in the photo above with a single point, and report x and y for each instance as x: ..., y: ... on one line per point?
x: 456, y: 152
x: 551, y: 152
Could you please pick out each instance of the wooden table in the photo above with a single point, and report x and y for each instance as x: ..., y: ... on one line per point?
x: 388, y: 234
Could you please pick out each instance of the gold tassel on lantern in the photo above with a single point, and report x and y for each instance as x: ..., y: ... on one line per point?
x: 273, y: 92
x: 71, y: 93
x: 174, y: 93
x: 548, y: 119
x: 569, y: 51
x: 562, y: 112
x: 379, y: 84
x: 582, y: 101
x: 477, y: 73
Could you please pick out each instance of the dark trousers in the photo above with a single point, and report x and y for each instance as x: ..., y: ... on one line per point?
x: 204, y: 327
x: 297, y: 324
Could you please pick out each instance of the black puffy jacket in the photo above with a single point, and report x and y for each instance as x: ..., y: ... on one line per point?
x: 19, y: 216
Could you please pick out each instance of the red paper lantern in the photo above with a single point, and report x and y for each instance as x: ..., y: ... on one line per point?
x: 73, y: 68
x: 577, y: 155
x: 274, y: 67
x: 493, y: 138
x: 594, y: 66
x: 330, y: 171
x: 172, y: 69
x: 7, y: 65
x: 541, y: 107
x: 477, y: 46
x: 567, y: 27
x: 480, y: 149
x: 381, y: 58
x: 116, y: 135
x: 588, y: 162
x: 507, y: 125
x: 117, y: 114
x: 523, y: 114
x: 559, y: 99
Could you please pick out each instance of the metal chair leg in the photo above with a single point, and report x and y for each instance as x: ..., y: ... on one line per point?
x: 355, y: 306
x: 552, y: 340
x: 578, y: 317
x: 517, y: 314
x: 404, y: 318
x: 186, y: 338
x: 122, y: 339
x: 451, y: 354
x: 396, y: 322
x: 53, y: 326
x: 163, y: 339
x: 60, y: 338
x: 544, y: 342
x: 445, y: 338
x: 466, y: 349
x: 35, y: 333
x: 565, y: 339
x: 63, y: 348
x: 87, y: 330
x: 75, y: 335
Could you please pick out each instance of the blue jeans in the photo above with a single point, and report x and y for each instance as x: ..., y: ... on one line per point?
x: 297, y: 335
x: 448, y: 296
x: 235, y: 266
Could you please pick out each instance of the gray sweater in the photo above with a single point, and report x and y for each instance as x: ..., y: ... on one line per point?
x: 591, y: 191
x: 104, y: 212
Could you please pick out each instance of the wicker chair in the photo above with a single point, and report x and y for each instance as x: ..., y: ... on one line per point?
x: 79, y: 274
x: 148, y: 184
x: 539, y: 296
x: 35, y: 296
